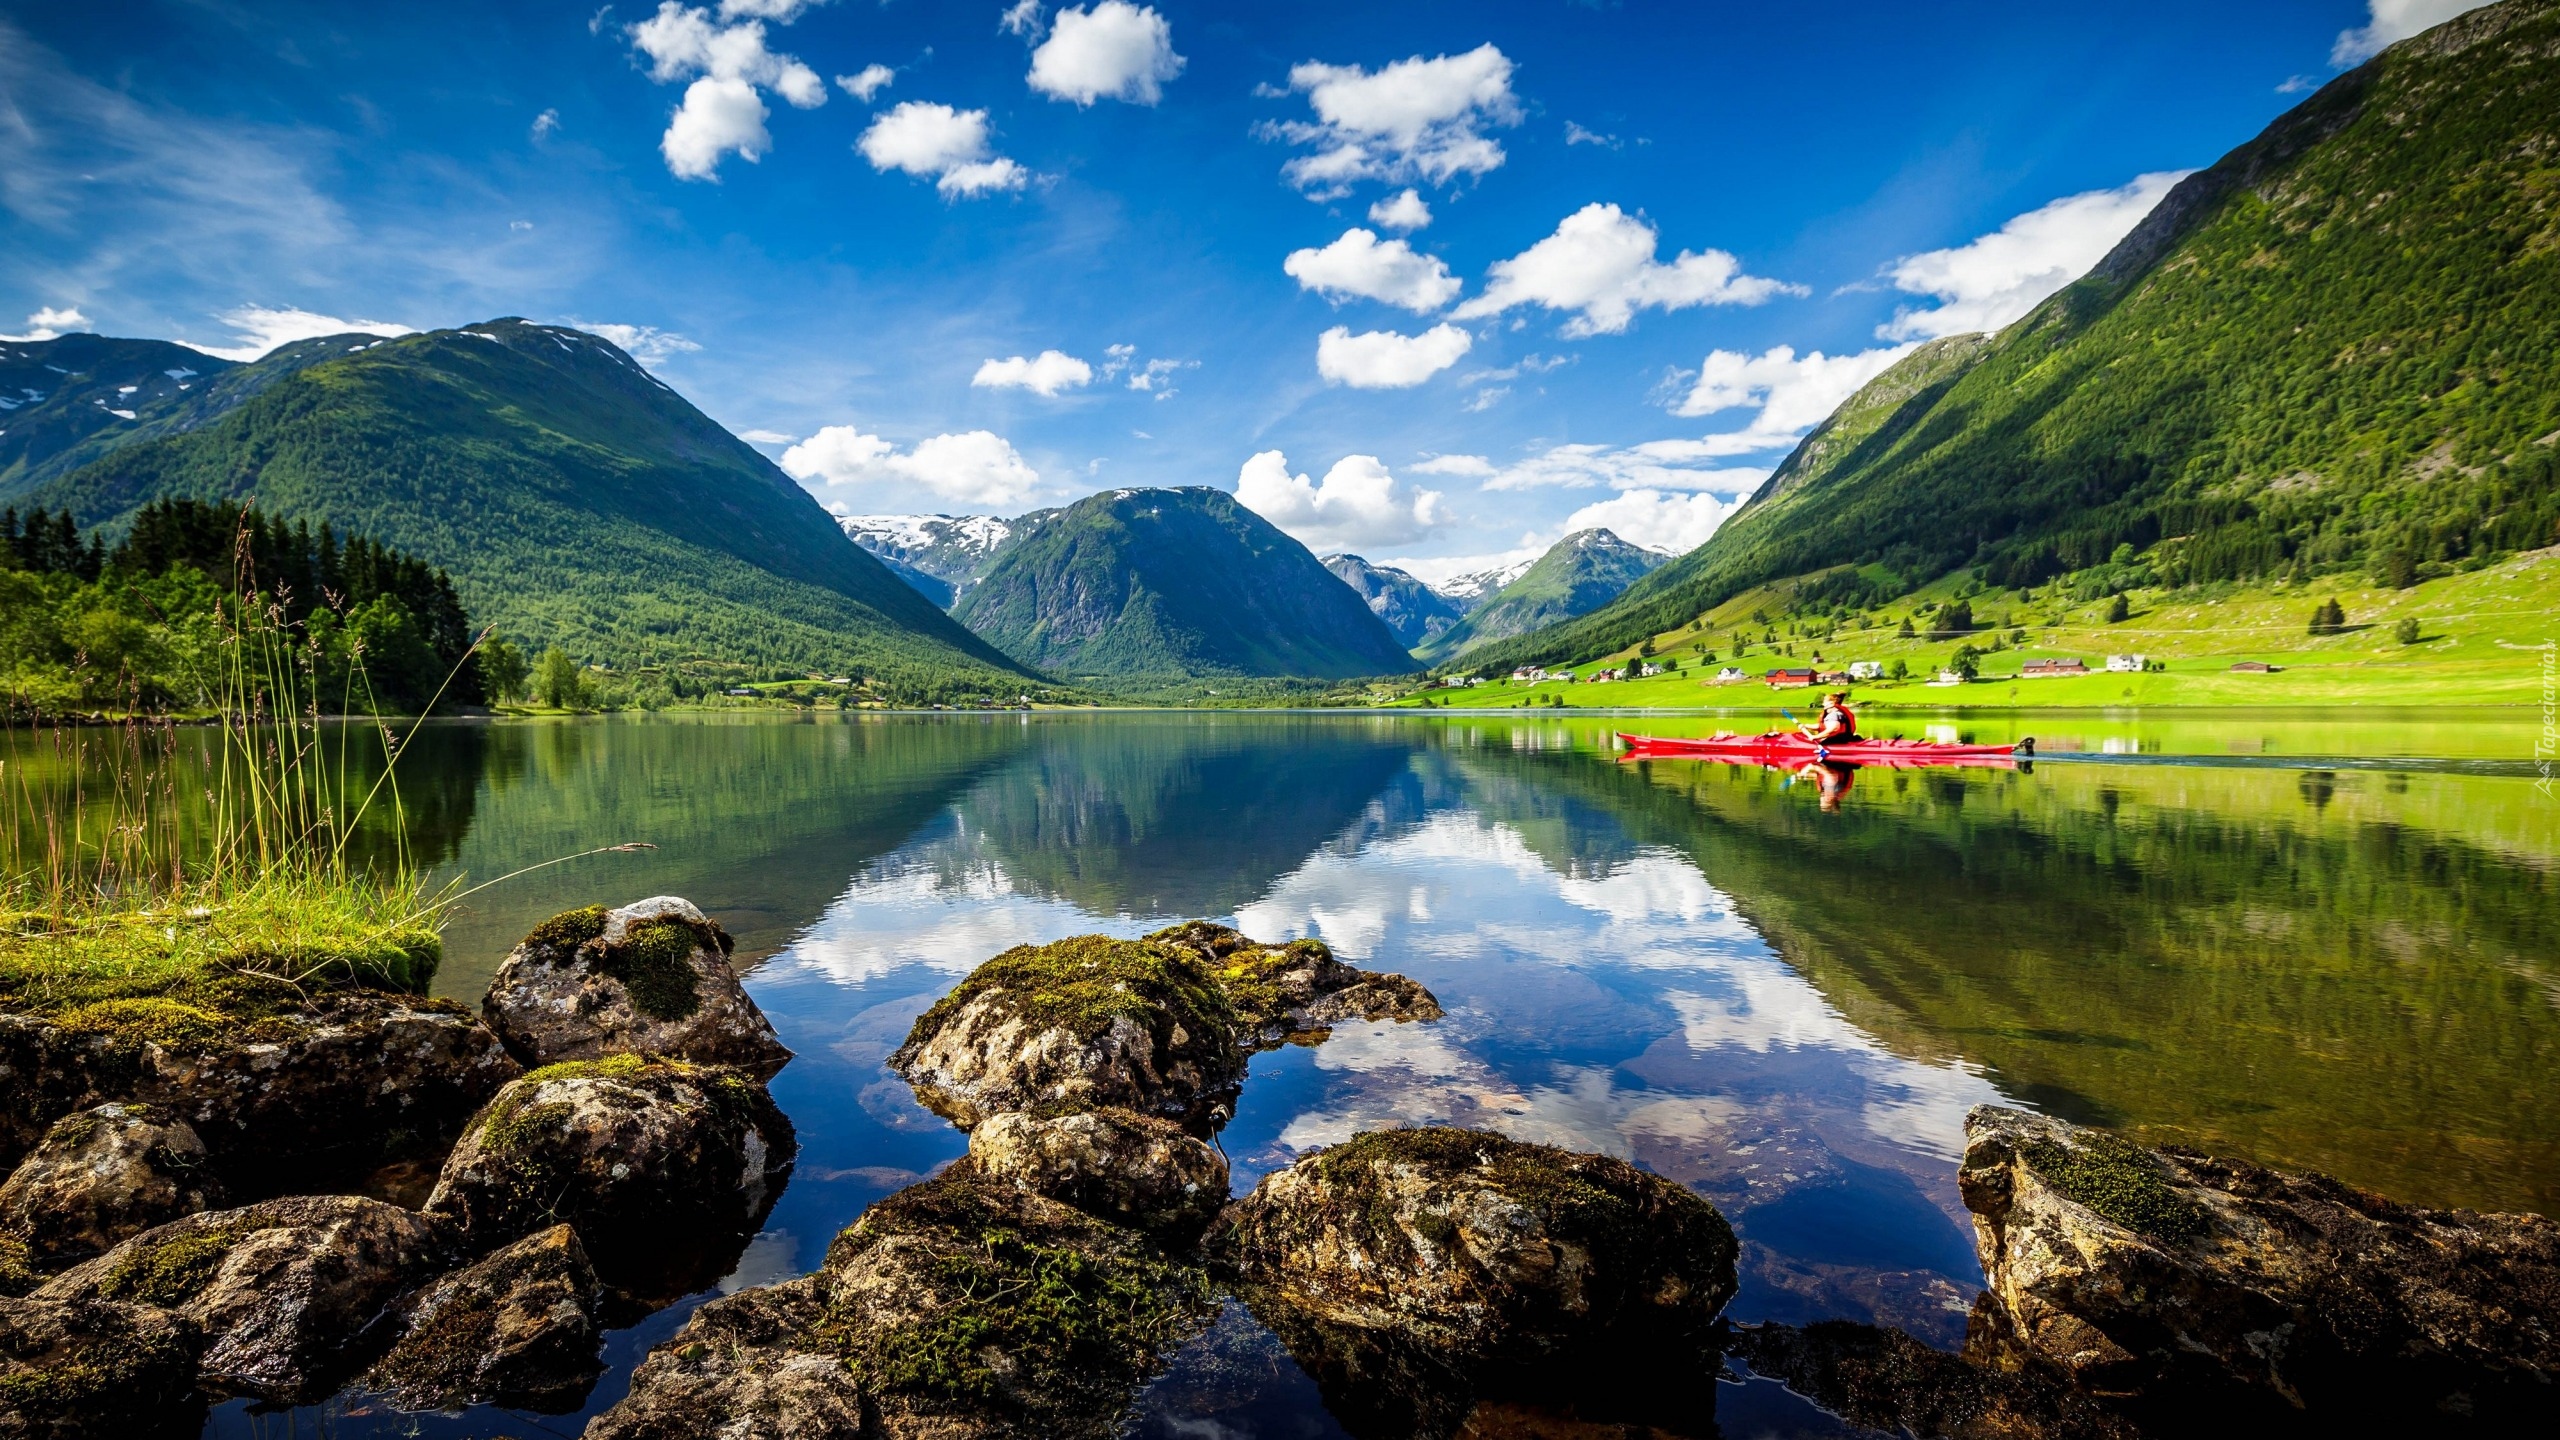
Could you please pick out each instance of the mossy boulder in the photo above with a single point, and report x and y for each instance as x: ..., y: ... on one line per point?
x: 664, y: 1168
x: 96, y: 1370
x: 1297, y: 990
x: 1466, y: 1262
x: 744, y: 1367
x: 650, y: 978
x: 1887, y: 1381
x: 48, y: 1071
x: 101, y: 1175
x: 1080, y: 1023
x: 283, y: 1290
x: 1117, y: 1164
x: 2187, y: 1284
x: 519, y: 1328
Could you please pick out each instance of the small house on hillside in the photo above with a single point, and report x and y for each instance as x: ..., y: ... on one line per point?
x: 1528, y: 675
x: 1866, y: 669
x: 2042, y: 669
x: 2127, y: 664
x: 1832, y: 677
x: 1949, y: 677
x: 1731, y: 673
x: 1790, y: 675
x: 2254, y: 667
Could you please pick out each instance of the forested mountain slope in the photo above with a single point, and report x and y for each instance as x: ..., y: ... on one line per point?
x: 2337, y: 348
x: 1579, y: 573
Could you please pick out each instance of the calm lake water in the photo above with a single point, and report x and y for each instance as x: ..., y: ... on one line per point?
x: 2319, y: 941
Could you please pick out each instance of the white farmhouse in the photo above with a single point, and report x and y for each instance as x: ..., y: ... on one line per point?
x: 2124, y: 664
x: 1866, y: 669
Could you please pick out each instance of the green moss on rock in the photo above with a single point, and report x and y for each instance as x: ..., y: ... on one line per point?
x: 654, y: 962
x: 170, y: 1272
x: 611, y: 1067
x: 17, y: 1270
x: 2120, y: 1181
x: 1083, y: 985
x: 569, y: 929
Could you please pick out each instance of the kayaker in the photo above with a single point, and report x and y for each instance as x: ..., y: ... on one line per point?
x: 1837, y: 725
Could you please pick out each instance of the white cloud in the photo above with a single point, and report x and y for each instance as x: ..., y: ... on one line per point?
x: 1044, y: 374
x: 975, y: 467
x: 546, y: 124
x: 870, y: 80
x: 1023, y: 18
x: 262, y: 328
x: 1405, y: 210
x: 50, y: 323
x: 1583, y: 135
x: 1600, y: 264
x: 1116, y: 50
x: 1358, y: 505
x: 1386, y: 360
x: 2391, y: 22
x: 1792, y: 393
x: 766, y: 437
x: 1475, y: 465
x: 1988, y: 282
x: 723, y: 112
x: 1653, y: 465
x: 1674, y: 523
x: 924, y: 138
x: 647, y: 344
x: 1416, y: 119
x: 1359, y: 264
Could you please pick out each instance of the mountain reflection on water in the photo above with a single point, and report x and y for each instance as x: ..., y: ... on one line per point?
x: 1688, y: 965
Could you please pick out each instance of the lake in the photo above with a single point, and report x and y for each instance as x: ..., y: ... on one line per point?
x: 2324, y: 941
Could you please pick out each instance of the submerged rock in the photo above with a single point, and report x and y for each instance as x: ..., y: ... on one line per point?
x: 517, y: 1329
x: 1117, y: 1164
x: 664, y: 1168
x: 283, y: 1290
x: 1296, y: 990
x: 101, y: 1175
x: 747, y: 1366
x: 96, y: 1370
x: 650, y: 978
x: 2185, y: 1282
x: 1888, y: 1381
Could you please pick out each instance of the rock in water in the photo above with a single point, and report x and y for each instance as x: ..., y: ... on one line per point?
x: 1081, y: 1023
x: 1120, y: 1165
x: 1410, y: 1270
x: 1297, y: 990
x: 663, y: 1167
x: 745, y: 1367
x: 102, y: 1175
x: 1888, y: 1381
x: 95, y: 1370
x: 283, y: 1290
x: 517, y: 1329
x: 650, y: 978
x: 2185, y: 1282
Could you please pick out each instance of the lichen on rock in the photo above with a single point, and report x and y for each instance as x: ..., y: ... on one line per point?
x: 518, y: 1328
x: 1297, y: 990
x: 1116, y: 1164
x: 2182, y: 1284
x: 87, y: 1369
x: 103, y: 1174
x: 744, y: 1367
x: 651, y: 977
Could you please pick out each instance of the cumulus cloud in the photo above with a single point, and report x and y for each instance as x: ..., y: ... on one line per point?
x: 1115, y: 50
x: 723, y: 112
x: 1386, y: 360
x: 1413, y: 120
x: 1358, y: 505
x: 1023, y: 18
x: 924, y: 138
x: 975, y: 467
x: 1676, y: 523
x: 1792, y: 393
x: 1654, y: 465
x: 1990, y: 281
x: 2392, y: 21
x: 50, y: 323
x: 1044, y: 374
x: 262, y: 328
x: 1360, y: 264
x: 870, y: 80
x: 1600, y: 264
x: 1405, y: 210
x: 647, y: 344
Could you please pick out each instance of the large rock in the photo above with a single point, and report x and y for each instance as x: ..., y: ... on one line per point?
x: 664, y: 1168
x: 48, y: 1071
x: 101, y: 1175
x: 283, y: 1290
x: 1886, y: 1380
x: 2181, y: 1281
x: 1296, y: 991
x: 650, y: 978
x: 745, y: 1367
x: 96, y: 1370
x: 518, y: 1329
x: 1410, y: 1270
x: 1118, y: 1164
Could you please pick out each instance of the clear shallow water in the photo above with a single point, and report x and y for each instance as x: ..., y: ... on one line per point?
x: 1693, y: 966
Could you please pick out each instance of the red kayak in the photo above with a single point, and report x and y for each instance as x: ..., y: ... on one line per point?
x: 1791, y: 749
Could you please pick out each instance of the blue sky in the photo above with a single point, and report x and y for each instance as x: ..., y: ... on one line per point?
x: 836, y: 226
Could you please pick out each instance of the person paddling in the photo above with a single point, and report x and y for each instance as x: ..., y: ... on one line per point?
x: 1837, y: 725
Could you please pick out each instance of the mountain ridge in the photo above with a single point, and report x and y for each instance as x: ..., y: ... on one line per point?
x: 1578, y: 574
x: 1415, y: 612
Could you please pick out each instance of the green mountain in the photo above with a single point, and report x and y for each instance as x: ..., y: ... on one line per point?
x: 1416, y: 613
x: 574, y: 498
x: 1579, y: 573
x: 1139, y: 584
x: 940, y: 555
x: 2338, y: 348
